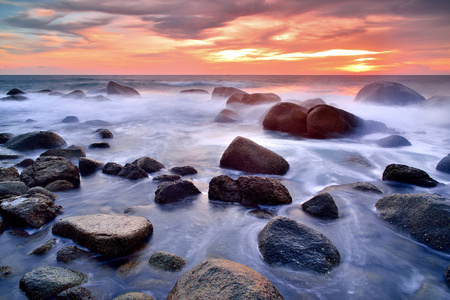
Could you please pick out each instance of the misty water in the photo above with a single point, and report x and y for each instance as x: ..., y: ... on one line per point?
x: 378, y: 261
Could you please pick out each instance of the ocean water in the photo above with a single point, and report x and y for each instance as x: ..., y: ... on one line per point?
x: 377, y: 260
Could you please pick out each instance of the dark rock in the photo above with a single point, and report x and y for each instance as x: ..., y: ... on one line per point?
x: 194, y: 91
x: 77, y: 95
x: 388, y: 93
x: 45, y: 91
x: 88, y: 165
x: 35, y: 140
x: 359, y: 160
x: 409, y: 175
x: 228, y: 116
x: 9, y: 174
x: 249, y: 190
x: 9, y: 156
x: 76, y: 293
x: 14, y: 98
x: 223, y: 279
x: 5, y: 136
x: 183, y: 171
x: 148, y: 164
x: 59, y: 185
x: 262, y: 214
x: 99, y: 145
x: 366, y: 187
x: 112, y: 168
x: 5, y: 271
x: 447, y: 274
x: 225, y: 92
x: 18, y: 233
x: 425, y: 216
x: 30, y: 121
x: 286, y: 117
x: 12, y: 188
x: 134, y: 296
x: 25, y: 163
x: 252, y: 99
x: 444, y: 164
x: 321, y: 206
x: 71, y: 253
x: 113, y: 88
x: 44, y: 248
x: 285, y: 242
x: 108, y: 235
x: 98, y: 98
x: 15, y: 91
x: 245, y: 155
x: 2, y: 228
x: 99, y: 123
x: 46, y: 282
x: 104, y: 133
x: 47, y: 169
x: 393, y: 141
x: 40, y: 190
x: 167, y: 177
x: 168, y: 192
x: 70, y: 152
x: 70, y: 119
x: 132, y: 172
x: 371, y: 126
x: 97, y: 90
x: 166, y: 261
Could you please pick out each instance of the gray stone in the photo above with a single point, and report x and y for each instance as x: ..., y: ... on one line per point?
x: 393, y: 141
x: 410, y: 175
x: 321, y: 206
x: 167, y: 177
x: 88, y: 166
x: 12, y: 188
x: 5, y: 136
x: 133, y: 172
x: 166, y: 261
x: 70, y: 152
x: 47, y: 246
x: 228, y: 116
x: 388, y: 93
x: 15, y: 91
x: 183, y: 171
x: 76, y: 293
x: 76, y: 95
x: 59, y: 185
x: 70, y: 119
x: 35, y: 140
x: 113, y: 88
x: 40, y: 190
x: 222, y: 92
x: 104, y: 133
x: 148, y: 164
x: 175, y: 191
x: 71, y: 253
x: 444, y: 164
x: 112, y: 168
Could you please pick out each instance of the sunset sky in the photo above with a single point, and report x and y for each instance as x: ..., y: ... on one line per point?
x: 225, y: 37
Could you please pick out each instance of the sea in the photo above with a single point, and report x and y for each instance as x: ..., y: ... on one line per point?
x: 378, y: 261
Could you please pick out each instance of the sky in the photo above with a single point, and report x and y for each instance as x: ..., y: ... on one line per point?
x: 304, y: 37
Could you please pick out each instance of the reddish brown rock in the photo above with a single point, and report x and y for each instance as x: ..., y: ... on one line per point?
x: 228, y: 116
x: 221, y: 92
x: 113, y: 88
x: 252, y: 99
x: 286, y: 117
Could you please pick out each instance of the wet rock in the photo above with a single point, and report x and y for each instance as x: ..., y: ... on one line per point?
x: 425, y: 216
x: 183, y: 171
x: 99, y: 123
x: 248, y: 190
x: 113, y: 88
x: 252, y: 99
x: 14, y: 98
x: 98, y: 98
x: 228, y: 116
x: 309, y: 103
x: 89, y: 166
x: 47, y: 246
x: 108, y: 235
x: 366, y: 187
x: 97, y: 90
x: 388, y: 93
x: 393, y: 141
x: 35, y: 140
x: 18, y: 233
x: 447, y: 274
x: 76, y: 293
x: 285, y: 242
x: 223, y: 279
x: 286, y: 117
x: 100, y: 145
x: 76, y: 95
x: 46, y: 282
x: 444, y: 164
x: 45, y: 91
x: 262, y: 214
x: 104, y: 133
x: 5, y: 136
x: 166, y: 261
x: 371, y: 126
x: 321, y: 206
x: 9, y: 174
x: 134, y: 296
x: 9, y: 156
x: 225, y: 92
x: 112, y: 168
x: 5, y: 271
x: 70, y: 119
x: 40, y: 190
x: 437, y: 101
x: 15, y: 91
x: 25, y: 163
x: 148, y: 164
x: 56, y: 94
x: 167, y: 177
x: 71, y: 253
x: 12, y: 188
x: 70, y: 152
x: 59, y: 185
x: 47, y: 169
x: 169, y: 192
x: 194, y: 91
x: 409, y: 175
x: 359, y: 160
x: 133, y: 172
x: 245, y: 155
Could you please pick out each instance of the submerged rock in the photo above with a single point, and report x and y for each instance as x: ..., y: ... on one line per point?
x: 15, y: 91
x: 12, y: 188
x: 70, y: 119
x: 5, y: 271
x: 225, y: 92
x: 71, y: 253
x: 393, y: 141
x: 444, y: 164
x: 133, y: 172
x: 88, y: 166
x: 112, y: 168
x: 252, y: 99
x: 228, y: 116
x: 134, y: 296
x: 166, y: 261
x: 47, y: 246
x: 174, y: 191
x: 409, y: 175
x: 77, y: 95
x: 167, y: 177
x: 104, y: 133
x: 59, y: 185
x: 321, y: 206
x: 35, y: 140
x: 5, y: 136
x: 223, y: 279
x: 425, y: 216
x: 437, y: 101
x: 148, y: 164
x: 70, y: 152
x: 75, y: 293
x: 183, y: 171
x: 100, y: 145
x: 388, y: 93
x: 286, y: 117
x: 194, y: 91
x: 113, y: 88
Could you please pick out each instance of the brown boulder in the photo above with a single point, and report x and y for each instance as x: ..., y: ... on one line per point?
x: 113, y: 88
x: 252, y: 99
x: 388, y: 93
x: 286, y: 117
x: 221, y: 92
x: 228, y: 116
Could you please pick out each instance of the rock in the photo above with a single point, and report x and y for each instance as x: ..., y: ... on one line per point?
x: 248, y: 190
x: 393, y: 141
x: 35, y: 140
x: 28, y: 210
x: 30, y: 121
x: 14, y: 98
x: 113, y: 88
x: 70, y: 152
x: 309, y: 103
x: 99, y: 123
x: 148, y: 164
x: 437, y: 101
x: 108, y: 235
x: 325, y: 121
x: 98, y: 98
x: 9, y: 174
x: 5, y: 136
x: 77, y: 95
x: 47, y: 169
x: 104, y: 133
x: 59, y: 185
x: 40, y: 190
x: 56, y: 94
x: 371, y: 126
x: 88, y: 166
x: 245, y: 155
x: 25, y: 163
x: 15, y: 91
x: 252, y: 99
x: 321, y: 206
x: 76, y: 293
x: 388, y: 93
x: 99, y: 145
x: 134, y: 296
x: 286, y: 117
x: 46, y: 282
x: 425, y: 216
x: 166, y: 261
x: 409, y: 175
x: 225, y: 92
x: 71, y: 253
x: 9, y: 156
x: 167, y: 177
x: 70, y: 119
x: 132, y: 172
x: 444, y: 164
x: 5, y: 271
x: 366, y: 187
x: 45, y: 91
x: 44, y: 248
x: 12, y: 188
x: 19, y: 233
x: 97, y: 90
x: 175, y: 191
x: 228, y: 116
x: 262, y: 214
x: 285, y: 242
x: 194, y: 91
x: 447, y: 274
x: 112, y: 168
x: 183, y: 171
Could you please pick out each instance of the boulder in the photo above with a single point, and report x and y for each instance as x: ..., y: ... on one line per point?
x: 45, y: 91
x: 228, y: 116
x: 59, y: 185
x: 325, y: 121
x: 14, y: 98
x: 309, y: 103
x: 70, y: 152
x: 425, y: 216
x: 40, y: 190
x: 223, y: 279
x: 97, y: 90
x: 225, y: 92
x: 133, y: 172
x: 71, y: 253
x: 112, y: 168
x: 245, y: 155
x: 175, y: 191
x: 35, y: 140
x: 321, y: 206
x: 183, y: 171
x: 46, y: 282
x: 47, y: 169
x: 393, y: 141
x: 88, y: 166
x: 47, y: 246
x: 25, y: 163
x: 9, y: 174
x: 75, y: 293
x: 409, y: 175
x: 15, y: 91
x: 5, y: 271
x: 134, y: 296
x: 104, y: 133
x: 438, y: 101
x: 100, y: 145
x: 388, y: 93
x: 166, y: 261
x: 9, y: 156
x: 12, y: 188
x: 167, y: 177
x: 262, y: 214
x: 252, y: 99
x: 113, y: 88
x: 285, y: 242
x: 98, y: 98
x: 148, y: 164
x: 194, y: 91
x: 248, y: 190
x: 70, y: 120
x: 444, y: 164
x: 5, y: 136
x: 286, y: 117
x: 108, y: 235
x: 76, y: 95
x: 371, y: 126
